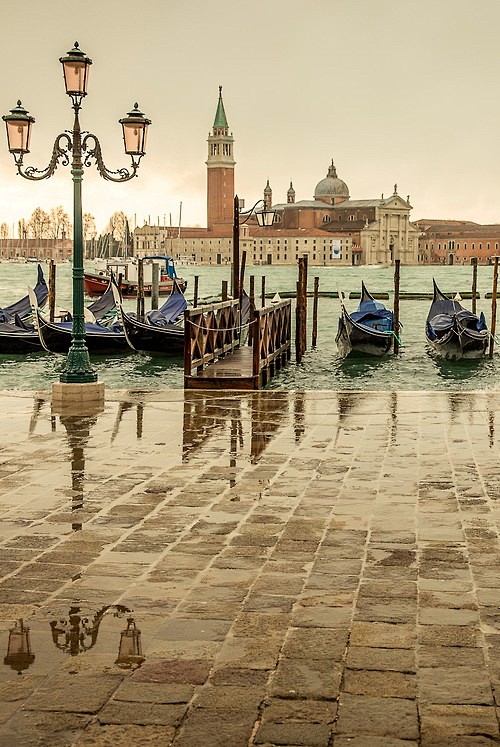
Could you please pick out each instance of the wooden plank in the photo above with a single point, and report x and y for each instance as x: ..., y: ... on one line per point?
x: 239, y: 363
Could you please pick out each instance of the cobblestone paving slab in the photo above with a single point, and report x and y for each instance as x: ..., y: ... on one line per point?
x: 275, y: 568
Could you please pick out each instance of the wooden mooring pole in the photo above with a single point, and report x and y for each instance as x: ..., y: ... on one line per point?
x: 494, y: 308
x: 298, y: 356
x: 236, y: 249
x: 155, y: 285
x: 304, y: 305
x: 315, y: 313
x: 397, y: 263
x: 263, y: 291
x: 301, y: 311
x: 140, y: 290
x: 195, y: 292
x: 474, y: 283
x: 52, y: 290
x: 242, y: 273
x: 224, y: 290
x: 252, y: 308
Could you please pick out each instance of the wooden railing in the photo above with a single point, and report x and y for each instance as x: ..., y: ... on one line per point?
x: 210, y: 332
x: 272, y: 333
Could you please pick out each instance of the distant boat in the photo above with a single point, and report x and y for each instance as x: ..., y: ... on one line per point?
x: 95, y: 283
x: 368, y: 330
x: 454, y: 332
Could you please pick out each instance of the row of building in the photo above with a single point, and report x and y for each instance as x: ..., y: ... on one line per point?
x: 439, y: 242
x: 61, y: 250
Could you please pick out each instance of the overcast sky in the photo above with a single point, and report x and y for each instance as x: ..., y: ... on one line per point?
x: 399, y: 91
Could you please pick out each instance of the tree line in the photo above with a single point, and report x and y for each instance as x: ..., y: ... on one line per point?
x: 56, y: 224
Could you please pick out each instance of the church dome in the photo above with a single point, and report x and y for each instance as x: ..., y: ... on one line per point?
x: 331, y: 187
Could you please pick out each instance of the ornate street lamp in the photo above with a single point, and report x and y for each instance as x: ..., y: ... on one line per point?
x: 83, y: 147
x: 265, y: 217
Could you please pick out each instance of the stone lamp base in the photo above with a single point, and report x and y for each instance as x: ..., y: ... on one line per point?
x: 74, y: 394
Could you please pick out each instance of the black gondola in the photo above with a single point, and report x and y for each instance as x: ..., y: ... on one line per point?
x: 162, y: 331
x: 56, y: 337
x: 22, y: 308
x: 454, y: 332
x: 368, y: 330
x: 16, y: 336
x: 19, y: 338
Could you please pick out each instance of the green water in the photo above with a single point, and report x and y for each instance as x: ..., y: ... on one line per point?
x: 322, y: 368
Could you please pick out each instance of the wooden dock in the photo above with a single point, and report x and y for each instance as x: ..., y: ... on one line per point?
x: 216, y: 358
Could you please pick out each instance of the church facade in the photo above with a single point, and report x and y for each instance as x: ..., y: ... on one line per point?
x: 331, y: 229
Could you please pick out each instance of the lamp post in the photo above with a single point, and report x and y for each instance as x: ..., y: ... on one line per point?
x: 264, y: 217
x: 83, y: 147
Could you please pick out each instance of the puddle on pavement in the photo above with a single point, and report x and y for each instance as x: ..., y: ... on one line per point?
x: 39, y: 647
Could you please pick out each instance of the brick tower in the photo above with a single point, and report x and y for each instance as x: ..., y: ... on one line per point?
x: 220, y: 171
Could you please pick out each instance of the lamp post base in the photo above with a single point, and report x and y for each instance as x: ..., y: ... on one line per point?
x: 63, y: 393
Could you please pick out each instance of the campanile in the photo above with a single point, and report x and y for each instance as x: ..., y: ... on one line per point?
x: 220, y: 171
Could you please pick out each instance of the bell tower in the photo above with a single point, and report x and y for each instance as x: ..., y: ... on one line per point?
x: 220, y: 171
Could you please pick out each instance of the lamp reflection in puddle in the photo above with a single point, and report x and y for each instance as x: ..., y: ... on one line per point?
x: 78, y: 420
x: 78, y: 634
x: 130, y: 650
x: 19, y: 654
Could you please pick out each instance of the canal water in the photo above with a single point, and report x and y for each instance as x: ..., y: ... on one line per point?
x: 322, y: 368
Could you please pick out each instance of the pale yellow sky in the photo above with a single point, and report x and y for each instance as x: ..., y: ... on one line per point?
x: 394, y: 91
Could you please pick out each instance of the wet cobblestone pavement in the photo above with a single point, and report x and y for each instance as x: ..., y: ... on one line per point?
x: 272, y: 568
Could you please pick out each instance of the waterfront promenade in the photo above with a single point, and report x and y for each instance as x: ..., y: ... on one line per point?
x: 305, y: 568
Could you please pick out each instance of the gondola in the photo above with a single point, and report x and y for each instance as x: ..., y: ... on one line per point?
x: 22, y: 308
x: 17, y: 337
x: 454, y: 332
x: 162, y: 331
x: 56, y: 337
x: 368, y: 330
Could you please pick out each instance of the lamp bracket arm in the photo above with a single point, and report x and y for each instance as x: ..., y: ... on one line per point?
x: 91, y: 147
x: 249, y: 213
x: 63, y: 145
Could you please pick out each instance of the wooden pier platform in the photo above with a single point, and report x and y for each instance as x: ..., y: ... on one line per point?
x: 235, y: 371
x: 214, y: 356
